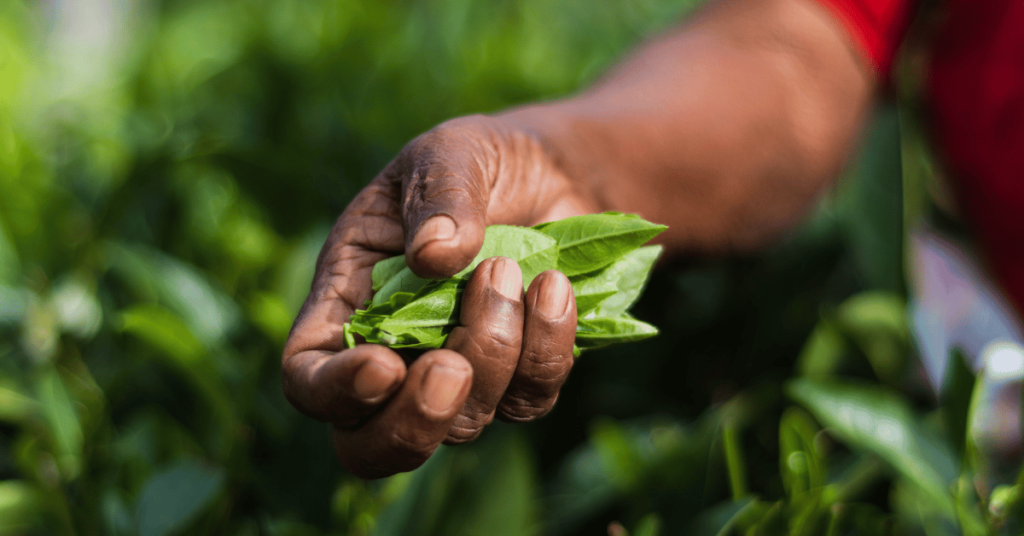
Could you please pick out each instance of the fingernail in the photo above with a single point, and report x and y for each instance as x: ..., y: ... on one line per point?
x: 372, y: 380
x: 507, y: 278
x: 553, y: 296
x: 438, y: 227
x: 441, y: 386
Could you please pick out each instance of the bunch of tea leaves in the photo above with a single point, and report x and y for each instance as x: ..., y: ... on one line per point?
x: 602, y: 254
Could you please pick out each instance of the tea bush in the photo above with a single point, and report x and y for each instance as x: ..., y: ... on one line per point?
x: 168, y: 172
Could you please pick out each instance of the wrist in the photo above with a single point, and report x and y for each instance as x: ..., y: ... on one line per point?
x: 566, y: 152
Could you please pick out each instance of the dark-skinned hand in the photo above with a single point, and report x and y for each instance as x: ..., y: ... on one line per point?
x: 726, y: 129
x: 511, y: 352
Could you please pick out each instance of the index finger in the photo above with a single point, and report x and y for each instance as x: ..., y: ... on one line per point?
x: 323, y: 379
x: 444, y: 197
x: 319, y: 376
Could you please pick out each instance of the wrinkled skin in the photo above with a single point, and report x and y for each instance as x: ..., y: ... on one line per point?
x: 726, y: 129
x: 511, y: 353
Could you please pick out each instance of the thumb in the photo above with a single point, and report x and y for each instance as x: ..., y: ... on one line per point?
x: 445, y: 192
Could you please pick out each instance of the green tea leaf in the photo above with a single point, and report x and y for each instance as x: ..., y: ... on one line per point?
x: 15, y: 405
x: 625, y: 278
x: 386, y: 269
x: 410, y: 312
x: 534, y: 251
x: 394, y: 302
x: 359, y: 326
x: 162, y: 329
x: 588, y: 243
x: 602, y: 331
x: 64, y: 423
x: 878, y: 421
x: 21, y: 503
x: 433, y: 306
x: 401, y: 281
x: 412, y: 337
x: 176, y: 496
x: 592, y: 297
x: 350, y: 341
x: 406, y: 320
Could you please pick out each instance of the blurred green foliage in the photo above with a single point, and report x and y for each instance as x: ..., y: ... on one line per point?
x: 168, y: 171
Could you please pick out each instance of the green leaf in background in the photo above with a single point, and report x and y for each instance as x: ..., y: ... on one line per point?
x: 878, y: 322
x: 21, y: 505
x: 588, y: 243
x: 720, y: 520
x: 64, y: 425
x: 178, y: 347
x: 649, y: 525
x: 118, y: 519
x: 957, y: 391
x: 15, y: 406
x: 823, y: 351
x: 77, y: 308
x: 616, y: 452
x: 512, y: 508
x: 581, y: 488
x: 801, y: 463
x: 10, y: 264
x: 271, y: 314
x: 191, y: 157
x: 174, y: 497
x: 13, y: 304
x: 164, y: 330
x: 878, y: 421
x: 485, y: 487
x: 208, y: 311
x: 873, y: 203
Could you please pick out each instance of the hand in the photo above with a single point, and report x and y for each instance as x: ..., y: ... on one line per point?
x: 509, y: 356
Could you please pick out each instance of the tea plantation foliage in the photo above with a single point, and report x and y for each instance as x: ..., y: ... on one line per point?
x: 168, y: 171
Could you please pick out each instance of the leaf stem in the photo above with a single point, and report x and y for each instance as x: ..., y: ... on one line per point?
x: 734, y: 462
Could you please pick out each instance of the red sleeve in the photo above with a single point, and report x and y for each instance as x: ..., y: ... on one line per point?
x: 876, y: 26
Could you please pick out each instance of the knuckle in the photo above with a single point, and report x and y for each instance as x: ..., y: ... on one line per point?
x: 463, y: 433
x: 501, y: 339
x: 485, y: 343
x: 467, y: 426
x: 518, y: 407
x: 533, y: 388
x: 545, y: 369
x: 461, y: 126
x: 409, y: 447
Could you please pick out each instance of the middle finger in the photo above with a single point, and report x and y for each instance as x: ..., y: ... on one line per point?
x: 490, y: 338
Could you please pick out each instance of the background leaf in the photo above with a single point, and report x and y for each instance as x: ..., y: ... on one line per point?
x: 881, y: 423
x: 176, y: 495
x: 170, y: 170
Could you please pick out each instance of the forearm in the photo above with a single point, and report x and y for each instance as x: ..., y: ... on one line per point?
x: 726, y: 129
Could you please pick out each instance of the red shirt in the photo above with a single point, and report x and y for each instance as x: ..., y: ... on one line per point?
x: 976, y: 92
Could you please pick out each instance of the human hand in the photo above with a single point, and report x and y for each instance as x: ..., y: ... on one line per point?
x: 508, y: 357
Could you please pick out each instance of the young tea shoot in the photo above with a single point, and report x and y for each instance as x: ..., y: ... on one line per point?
x: 602, y: 254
